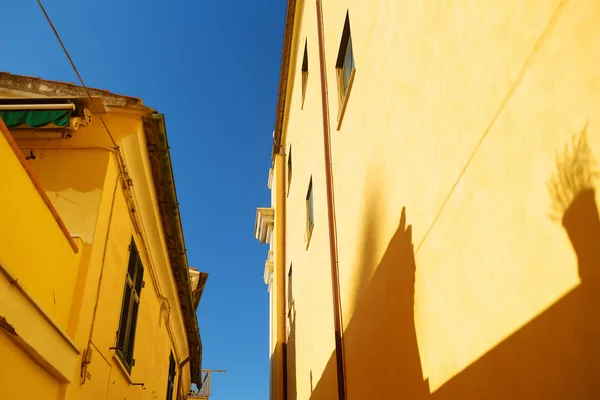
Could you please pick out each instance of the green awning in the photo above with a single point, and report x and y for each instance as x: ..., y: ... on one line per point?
x: 36, y: 118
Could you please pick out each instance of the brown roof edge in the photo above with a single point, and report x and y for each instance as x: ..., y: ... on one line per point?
x: 50, y: 88
x: 162, y: 172
x: 197, y: 293
x: 283, y: 75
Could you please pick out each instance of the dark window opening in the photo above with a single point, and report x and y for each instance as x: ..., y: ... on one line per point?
x: 290, y: 292
x: 310, y: 217
x: 304, y: 71
x: 171, y: 378
x: 345, y: 61
x: 289, y: 170
x: 129, y: 308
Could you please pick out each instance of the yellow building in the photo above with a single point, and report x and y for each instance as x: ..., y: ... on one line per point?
x: 433, y: 201
x: 97, y: 300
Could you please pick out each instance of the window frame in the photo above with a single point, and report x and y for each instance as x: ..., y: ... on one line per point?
x: 290, y: 290
x: 310, y: 211
x: 290, y: 301
x: 171, y: 377
x: 130, y: 304
x: 304, y: 73
x: 345, y: 73
x: 289, y: 170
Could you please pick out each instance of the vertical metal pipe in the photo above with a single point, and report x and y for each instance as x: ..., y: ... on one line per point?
x: 333, y: 251
x: 280, y: 276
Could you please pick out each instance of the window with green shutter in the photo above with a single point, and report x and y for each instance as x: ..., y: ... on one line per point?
x: 171, y: 379
x: 129, y: 310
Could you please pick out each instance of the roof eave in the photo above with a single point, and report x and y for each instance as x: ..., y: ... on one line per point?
x: 28, y: 86
x: 162, y: 172
x: 283, y: 75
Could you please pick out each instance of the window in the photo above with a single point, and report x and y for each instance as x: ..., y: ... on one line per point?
x: 290, y: 293
x: 345, y: 67
x: 289, y: 170
x: 129, y: 309
x: 171, y: 379
x: 310, y: 217
x: 304, y: 71
x: 290, y: 303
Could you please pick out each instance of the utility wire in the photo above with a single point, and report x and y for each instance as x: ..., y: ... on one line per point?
x: 76, y: 72
x: 120, y: 160
x: 524, y: 68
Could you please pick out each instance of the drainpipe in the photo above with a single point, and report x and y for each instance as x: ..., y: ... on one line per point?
x: 337, y: 308
x: 283, y: 203
x: 181, y: 365
x: 280, y: 305
x: 87, y: 356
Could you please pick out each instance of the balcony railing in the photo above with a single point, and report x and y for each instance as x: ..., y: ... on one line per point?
x: 205, y: 391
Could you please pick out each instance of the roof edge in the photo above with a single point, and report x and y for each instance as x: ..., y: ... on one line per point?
x: 162, y: 172
x: 283, y: 75
x: 197, y: 293
x: 22, y: 84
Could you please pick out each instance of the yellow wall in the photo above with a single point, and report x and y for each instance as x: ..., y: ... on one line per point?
x: 152, y: 343
x: 32, y: 243
x: 38, y: 269
x: 81, y: 178
x: 278, y: 298
x: 479, y: 310
x: 17, y: 385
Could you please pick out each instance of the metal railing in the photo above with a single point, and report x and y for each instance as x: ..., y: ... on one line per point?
x: 205, y: 391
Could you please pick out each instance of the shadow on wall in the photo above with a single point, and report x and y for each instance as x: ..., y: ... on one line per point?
x: 381, y: 341
x: 382, y: 356
x: 554, y: 356
x: 291, y: 362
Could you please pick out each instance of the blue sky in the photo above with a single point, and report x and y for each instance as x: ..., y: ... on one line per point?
x: 212, y: 67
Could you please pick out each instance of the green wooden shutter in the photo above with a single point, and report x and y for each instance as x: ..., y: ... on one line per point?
x: 125, y: 312
x: 171, y: 378
x: 129, y: 309
x: 131, y: 332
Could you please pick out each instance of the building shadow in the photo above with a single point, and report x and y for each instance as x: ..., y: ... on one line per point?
x: 290, y: 351
x: 326, y: 387
x: 380, y: 339
x: 556, y: 355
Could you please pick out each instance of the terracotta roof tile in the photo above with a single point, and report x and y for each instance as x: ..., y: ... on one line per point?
x: 19, y: 80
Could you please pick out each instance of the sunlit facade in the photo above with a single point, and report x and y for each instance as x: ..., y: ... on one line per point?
x: 97, y: 300
x: 433, y: 228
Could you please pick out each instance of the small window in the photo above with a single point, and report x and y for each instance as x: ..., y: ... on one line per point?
x: 290, y: 292
x: 129, y: 308
x: 345, y: 67
x: 171, y: 378
x: 310, y: 217
x: 304, y: 71
x: 289, y: 170
x: 290, y: 303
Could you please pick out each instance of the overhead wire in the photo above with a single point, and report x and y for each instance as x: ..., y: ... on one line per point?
x: 76, y: 70
x: 127, y: 181
x: 517, y: 81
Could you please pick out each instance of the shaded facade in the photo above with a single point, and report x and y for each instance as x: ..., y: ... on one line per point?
x: 433, y: 225
x: 97, y: 298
